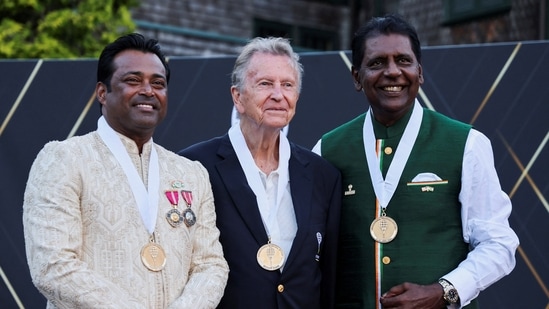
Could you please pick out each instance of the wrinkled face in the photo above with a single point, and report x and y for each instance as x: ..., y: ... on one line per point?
x: 137, y: 102
x: 390, y: 76
x: 270, y: 92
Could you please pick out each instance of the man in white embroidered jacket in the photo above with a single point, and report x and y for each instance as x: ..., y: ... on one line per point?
x: 113, y: 220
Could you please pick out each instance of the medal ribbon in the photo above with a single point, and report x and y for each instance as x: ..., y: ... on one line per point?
x: 385, y: 188
x: 268, y: 214
x: 147, y: 201
x: 173, y: 197
x: 188, y: 197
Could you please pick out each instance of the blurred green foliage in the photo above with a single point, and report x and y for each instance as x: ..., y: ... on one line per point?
x: 62, y: 28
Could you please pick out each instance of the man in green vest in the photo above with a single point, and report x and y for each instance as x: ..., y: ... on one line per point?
x: 424, y: 222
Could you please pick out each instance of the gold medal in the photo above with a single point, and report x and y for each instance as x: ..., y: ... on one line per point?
x: 153, y: 256
x: 174, y: 217
x: 270, y: 256
x: 383, y: 229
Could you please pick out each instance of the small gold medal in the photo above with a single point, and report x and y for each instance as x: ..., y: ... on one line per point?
x: 174, y: 217
x: 153, y: 256
x: 270, y: 256
x: 383, y: 229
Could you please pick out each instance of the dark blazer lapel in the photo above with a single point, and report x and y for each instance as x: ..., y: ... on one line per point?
x: 243, y: 198
x: 301, y: 186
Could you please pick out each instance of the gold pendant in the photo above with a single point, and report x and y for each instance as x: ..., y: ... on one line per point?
x: 383, y: 229
x: 270, y: 256
x: 153, y: 256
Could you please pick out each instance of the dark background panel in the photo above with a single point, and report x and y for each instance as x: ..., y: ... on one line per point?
x: 328, y: 98
x: 47, y: 112
x: 467, y: 73
x: 457, y: 78
x: 14, y: 76
x: 200, y: 101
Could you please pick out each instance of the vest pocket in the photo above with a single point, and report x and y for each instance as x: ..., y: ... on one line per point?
x: 427, y: 186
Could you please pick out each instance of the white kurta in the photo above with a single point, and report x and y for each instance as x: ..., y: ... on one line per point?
x: 84, y: 232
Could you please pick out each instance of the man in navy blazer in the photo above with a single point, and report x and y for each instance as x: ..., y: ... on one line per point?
x: 277, y: 203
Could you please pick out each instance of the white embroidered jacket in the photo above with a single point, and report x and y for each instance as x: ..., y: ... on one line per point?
x: 84, y: 233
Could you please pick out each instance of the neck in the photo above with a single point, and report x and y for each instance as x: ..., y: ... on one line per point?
x: 264, y: 147
x: 140, y: 146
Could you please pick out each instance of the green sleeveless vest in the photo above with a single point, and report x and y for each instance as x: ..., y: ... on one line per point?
x: 429, y: 242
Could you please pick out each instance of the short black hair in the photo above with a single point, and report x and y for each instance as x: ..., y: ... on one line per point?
x: 388, y: 24
x: 132, y: 41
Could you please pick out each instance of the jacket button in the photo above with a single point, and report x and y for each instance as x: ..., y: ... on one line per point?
x: 386, y: 260
x: 388, y: 150
x: 281, y: 288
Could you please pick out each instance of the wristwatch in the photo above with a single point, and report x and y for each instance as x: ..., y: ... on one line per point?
x: 451, y: 295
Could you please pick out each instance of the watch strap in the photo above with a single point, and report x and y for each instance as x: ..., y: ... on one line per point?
x: 451, y: 295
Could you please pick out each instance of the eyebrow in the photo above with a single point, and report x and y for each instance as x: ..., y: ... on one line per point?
x: 156, y: 75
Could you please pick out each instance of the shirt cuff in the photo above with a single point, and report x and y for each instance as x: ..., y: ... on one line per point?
x: 461, y: 280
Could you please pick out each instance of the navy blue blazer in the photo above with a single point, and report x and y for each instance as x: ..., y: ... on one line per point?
x: 308, y: 278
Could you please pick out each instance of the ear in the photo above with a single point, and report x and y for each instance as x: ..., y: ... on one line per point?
x: 101, y: 92
x: 420, y: 71
x: 356, y: 79
x: 235, y: 93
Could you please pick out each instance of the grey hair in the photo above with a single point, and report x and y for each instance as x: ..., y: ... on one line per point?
x: 270, y: 45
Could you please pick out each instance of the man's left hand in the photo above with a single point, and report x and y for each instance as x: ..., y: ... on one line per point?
x: 411, y: 295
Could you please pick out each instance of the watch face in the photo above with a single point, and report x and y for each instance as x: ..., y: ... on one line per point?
x: 452, y: 296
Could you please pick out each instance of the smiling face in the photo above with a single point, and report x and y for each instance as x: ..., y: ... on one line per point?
x: 389, y: 75
x: 137, y: 100
x: 268, y: 99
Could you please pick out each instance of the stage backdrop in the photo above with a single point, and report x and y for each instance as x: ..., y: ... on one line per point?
x: 502, y: 89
